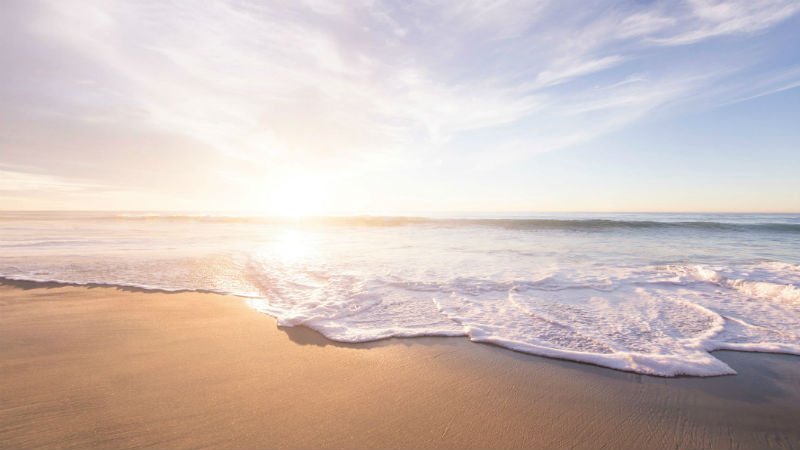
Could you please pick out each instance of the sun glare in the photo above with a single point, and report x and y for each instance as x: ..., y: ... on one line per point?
x: 293, y: 246
x: 298, y: 196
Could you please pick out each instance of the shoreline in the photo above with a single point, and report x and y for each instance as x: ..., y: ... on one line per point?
x: 112, y: 367
x: 28, y: 284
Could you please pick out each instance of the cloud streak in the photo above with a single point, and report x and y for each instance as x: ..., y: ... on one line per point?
x: 261, y: 88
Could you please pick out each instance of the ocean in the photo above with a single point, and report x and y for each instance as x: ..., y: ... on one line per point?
x: 646, y: 293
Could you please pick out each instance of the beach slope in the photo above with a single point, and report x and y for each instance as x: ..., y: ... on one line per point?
x: 99, y: 367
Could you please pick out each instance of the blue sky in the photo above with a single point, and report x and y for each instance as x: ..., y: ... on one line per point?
x: 391, y: 107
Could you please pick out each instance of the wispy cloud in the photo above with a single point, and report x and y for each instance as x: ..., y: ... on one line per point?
x: 14, y: 181
x: 269, y: 86
x: 705, y: 19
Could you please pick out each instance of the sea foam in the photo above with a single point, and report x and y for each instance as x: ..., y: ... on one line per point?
x: 647, y: 294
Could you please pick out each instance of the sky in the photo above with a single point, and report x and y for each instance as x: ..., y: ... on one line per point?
x: 367, y: 106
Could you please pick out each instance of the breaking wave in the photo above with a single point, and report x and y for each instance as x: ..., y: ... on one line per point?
x: 628, y: 295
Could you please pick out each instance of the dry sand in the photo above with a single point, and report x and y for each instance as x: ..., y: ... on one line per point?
x: 107, y: 368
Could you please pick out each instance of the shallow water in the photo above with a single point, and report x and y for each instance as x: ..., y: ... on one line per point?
x: 647, y: 293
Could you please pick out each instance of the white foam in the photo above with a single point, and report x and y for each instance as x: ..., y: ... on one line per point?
x: 627, y: 300
x: 649, y: 328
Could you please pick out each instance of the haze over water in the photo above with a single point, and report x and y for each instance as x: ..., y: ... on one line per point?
x: 647, y: 293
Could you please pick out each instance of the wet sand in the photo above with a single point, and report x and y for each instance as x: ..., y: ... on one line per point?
x: 108, y: 368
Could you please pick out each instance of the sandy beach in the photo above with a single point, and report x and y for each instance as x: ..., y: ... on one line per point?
x: 385, y: 224
x: 96, y: 367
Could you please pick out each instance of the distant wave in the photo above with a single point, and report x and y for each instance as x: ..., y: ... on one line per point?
x: 789, y: 224
x: 610, y: 224
x: 521, y: 223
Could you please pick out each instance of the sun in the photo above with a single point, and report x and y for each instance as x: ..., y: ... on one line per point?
x: 298, y: 195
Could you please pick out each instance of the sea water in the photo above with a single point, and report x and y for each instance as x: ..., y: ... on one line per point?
x: 647, y: 293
